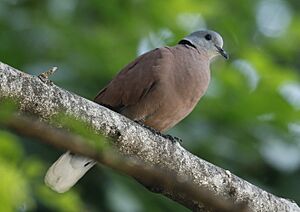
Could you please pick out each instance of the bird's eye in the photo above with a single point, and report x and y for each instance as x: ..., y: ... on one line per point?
x: 207, y: 37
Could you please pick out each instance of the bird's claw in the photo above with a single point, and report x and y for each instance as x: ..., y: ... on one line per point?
x: 173, y: 139
x: 147, y: 127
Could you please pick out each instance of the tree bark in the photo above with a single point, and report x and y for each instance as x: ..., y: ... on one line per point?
x: 46, y: 100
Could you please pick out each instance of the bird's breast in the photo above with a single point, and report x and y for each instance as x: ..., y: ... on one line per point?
x: 180, y: 88
x: 191, y: 81
x: 182, y: 94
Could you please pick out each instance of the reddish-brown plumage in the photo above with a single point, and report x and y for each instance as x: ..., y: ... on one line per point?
x: 159, y: 88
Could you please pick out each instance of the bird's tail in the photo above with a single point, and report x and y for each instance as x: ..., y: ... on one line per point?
x: 66, y: 171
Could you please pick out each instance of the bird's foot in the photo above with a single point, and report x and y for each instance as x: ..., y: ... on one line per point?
x: 44, y: 77
x: 173, y: 139
x: 149, y: 128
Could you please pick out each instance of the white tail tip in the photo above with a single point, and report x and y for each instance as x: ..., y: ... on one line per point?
x: 66, y: 171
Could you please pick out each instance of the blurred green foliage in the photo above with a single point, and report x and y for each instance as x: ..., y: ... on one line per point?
x: 78, y: 127
x: 247, y: 123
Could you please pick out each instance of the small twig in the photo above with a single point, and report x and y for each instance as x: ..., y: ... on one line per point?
x: 44, y: 77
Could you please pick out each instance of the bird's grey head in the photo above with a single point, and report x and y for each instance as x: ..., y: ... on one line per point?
x: 207, y: 40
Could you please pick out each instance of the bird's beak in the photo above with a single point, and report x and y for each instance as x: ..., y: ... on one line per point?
x: 222, y: 52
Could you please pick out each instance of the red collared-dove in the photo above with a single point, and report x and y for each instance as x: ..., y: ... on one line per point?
x: 158, y: 89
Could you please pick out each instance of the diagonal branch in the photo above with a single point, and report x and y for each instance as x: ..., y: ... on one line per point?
x: 30, y: 127
x: 132, y: 140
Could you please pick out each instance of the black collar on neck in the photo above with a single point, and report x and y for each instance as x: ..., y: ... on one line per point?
x: 188, y: 43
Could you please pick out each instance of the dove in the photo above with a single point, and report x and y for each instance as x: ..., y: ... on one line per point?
x: 157, y: 89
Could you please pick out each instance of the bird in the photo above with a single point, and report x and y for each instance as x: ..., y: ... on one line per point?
x: 157, y: 89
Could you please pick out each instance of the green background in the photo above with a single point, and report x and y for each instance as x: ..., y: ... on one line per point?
x: 248, y: 122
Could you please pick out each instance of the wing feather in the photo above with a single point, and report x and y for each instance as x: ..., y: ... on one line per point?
x: 134, y: 83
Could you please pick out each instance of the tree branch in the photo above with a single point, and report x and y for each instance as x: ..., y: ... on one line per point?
x: 45, y: 101
x: 30, y: 127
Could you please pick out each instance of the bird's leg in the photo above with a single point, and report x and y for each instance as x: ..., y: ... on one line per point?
x: 44, y: 77
x: 173, y: 139
x: 147, y: 127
